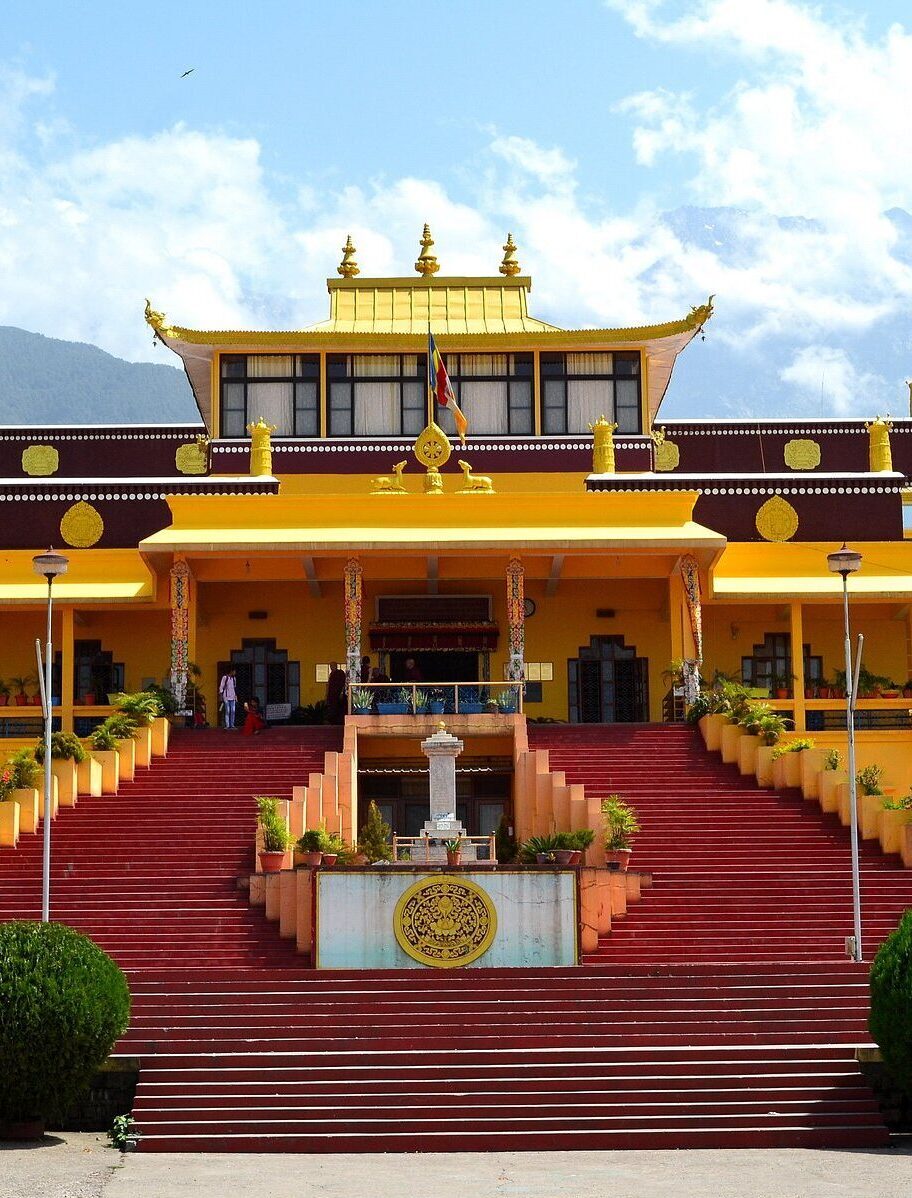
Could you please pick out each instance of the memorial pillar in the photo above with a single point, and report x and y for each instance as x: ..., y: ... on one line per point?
x: 352, y: 588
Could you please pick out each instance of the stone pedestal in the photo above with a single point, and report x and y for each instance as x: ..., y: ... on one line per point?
x: 441, y: 750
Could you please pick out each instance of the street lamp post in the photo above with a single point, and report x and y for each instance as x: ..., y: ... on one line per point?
x: 49, y: 565
x: 845, y: 562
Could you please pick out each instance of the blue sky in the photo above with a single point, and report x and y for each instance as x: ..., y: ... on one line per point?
x: 643, y: 153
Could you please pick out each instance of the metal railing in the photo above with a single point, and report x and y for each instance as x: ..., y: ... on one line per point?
x: 419, y: 848
x: 435, y: 698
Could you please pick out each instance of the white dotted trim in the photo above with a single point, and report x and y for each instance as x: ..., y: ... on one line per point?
x: 673, y: 430
x: 50, y: 434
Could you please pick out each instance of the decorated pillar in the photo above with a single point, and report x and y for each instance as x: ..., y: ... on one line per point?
x: 602, y: 446
x: 690, y: 577
x: 352, y: 585
x: 796, y: 630
x: 880, y: 455
x: 181, y: 600
x: 67, y: 667
x: 516, y: 620
x: 261, y: 448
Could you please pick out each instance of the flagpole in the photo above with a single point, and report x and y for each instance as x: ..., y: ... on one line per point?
x: 430, y: 393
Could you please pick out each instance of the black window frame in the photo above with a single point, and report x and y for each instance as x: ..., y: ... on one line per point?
x: 515, y: 382
x: 553, y: 368
x: 335, y: 378
x: 309, y: 366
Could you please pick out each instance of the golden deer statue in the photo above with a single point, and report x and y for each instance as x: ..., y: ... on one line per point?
x: 479, y: 484
x: 386, y: 485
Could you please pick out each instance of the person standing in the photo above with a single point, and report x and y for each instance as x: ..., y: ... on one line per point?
x: 228, y: 696
x: 335, y: 694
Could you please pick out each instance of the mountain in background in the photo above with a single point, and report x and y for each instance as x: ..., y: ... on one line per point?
x: 46, y: 381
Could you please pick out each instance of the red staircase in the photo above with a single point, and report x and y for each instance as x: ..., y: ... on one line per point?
x: 687, y: 1029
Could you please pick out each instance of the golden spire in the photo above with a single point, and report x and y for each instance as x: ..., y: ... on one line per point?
x: 509, y: 266
x: 348, y: 267
x: 427, y: 264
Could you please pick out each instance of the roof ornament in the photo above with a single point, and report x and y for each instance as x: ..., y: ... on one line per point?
x: 602, y: 446
x: 157, y: 321
x: 880, y: 456
x: 427, y: 263
x: 699, y: 314
x: 348, y: 267
x: 509, y: 266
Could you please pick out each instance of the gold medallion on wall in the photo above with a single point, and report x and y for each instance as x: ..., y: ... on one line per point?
x: 191, y: 458
x: 777, y: 520
x: 802, y: 455
x: 667, y: 455
x: 81, y: 526
x: 445, y: 922
x: 38, y: 461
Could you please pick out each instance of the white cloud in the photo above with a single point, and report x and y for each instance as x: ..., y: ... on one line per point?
x: 824, y: 376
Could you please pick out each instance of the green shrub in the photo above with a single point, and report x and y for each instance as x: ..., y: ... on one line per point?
x: 504, y: 842
x: 833, y: 760
x: 869, y: 780
x: 530, y: 848
x: 373, y: 840
x: 903, y: 804
x: 621, y: 824
x: 25, y: 770
x: 890, y: 1021
x: 276, y: 837
x: 64, y: 746
x: 121, y: 725
x: 103, y: 739
x: 64, y: 1004
x: 314, y: 840
x: 771, y: 727
x: 142, y: 707
x: 698, y: 709
x: 792, y: 746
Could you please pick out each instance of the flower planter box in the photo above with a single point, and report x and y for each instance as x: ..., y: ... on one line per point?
x: 55, y: 800
x: 361, y: 711
x: 779, y: 773
x: 892, y: 829
x: 126, y: 750
x: 793, y: 769
x: 731, y: 735
x: 393, y: 708
x: 88, y: 776
x: 714, y: 726
x: 27, y: 798
x: 747, y: 754
x: 843, y: 800
x: 109, y: 761
x: 869, y: 811
x: 811, y: 765
x: 764, y: 770
x: 906, y: 846
x: 64, y: 770
x: 142, y: 738
x: 9, y: 823
x: 436, y: 706
x: 828, y: 787
x: 469, y: 708
x: 160, y: 730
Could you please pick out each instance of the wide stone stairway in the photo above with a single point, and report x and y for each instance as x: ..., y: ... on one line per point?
x: 719, y: 1013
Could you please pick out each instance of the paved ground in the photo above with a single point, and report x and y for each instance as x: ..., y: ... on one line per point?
x: 82, y: 1166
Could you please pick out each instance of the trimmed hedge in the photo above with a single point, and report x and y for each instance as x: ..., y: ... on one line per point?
x: 890, y: 1022
x: 64, y: 1003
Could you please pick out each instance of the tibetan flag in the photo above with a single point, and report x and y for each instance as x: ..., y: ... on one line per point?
x: 441, y: 387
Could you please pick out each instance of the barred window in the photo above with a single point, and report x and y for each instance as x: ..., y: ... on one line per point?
x: 578, y: 388
x: 282, y: 389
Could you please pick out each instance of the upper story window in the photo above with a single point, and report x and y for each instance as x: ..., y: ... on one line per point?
x: 282, y: 389
x: 578, y: 388
x: 494, y: 392
x: 377, y: 395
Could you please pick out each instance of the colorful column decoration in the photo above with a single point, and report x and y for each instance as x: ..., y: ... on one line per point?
x: 180, y: 631
x: 690, y: 576
x: 516, y: 619
x: 352, y: 585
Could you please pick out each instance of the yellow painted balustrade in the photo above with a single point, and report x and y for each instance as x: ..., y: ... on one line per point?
x: 869, y: 812
x: 27, y: 798
x: 906, y: 846
x: 9, y: 823
x: 55, y: 799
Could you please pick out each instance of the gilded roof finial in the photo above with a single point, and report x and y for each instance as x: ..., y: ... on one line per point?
x: 427, y: 264
x: 509, y: 266
x: 157, y: 321
x: 348, y: 267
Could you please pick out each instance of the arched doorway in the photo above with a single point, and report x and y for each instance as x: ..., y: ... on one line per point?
x: 608, y: 683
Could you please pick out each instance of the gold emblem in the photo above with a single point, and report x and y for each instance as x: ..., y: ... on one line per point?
x: 802, y: 455
x: 81, y: 526
x: 191, y: 458
x: 667, y: 456
x: 40, y: 460
x: 433, y: 449
x: 777, y: 520
x: 445, y: 922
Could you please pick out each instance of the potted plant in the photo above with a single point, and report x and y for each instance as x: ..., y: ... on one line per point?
x: 67, y: 752
x: 9, y: 809
x: 276, y: 838
x: 26, y: 778
x: 673, y: 674
x: 787, y: 763
x: 143, y: 708
x: 399, y: 705
x: 336, y: 850
x: 894, y: 815
x: 506, y: 702
x: 621, y: 826
x: 469, y: 701
x: 890, y: 691
x: 104, y: 744
x: 770, y: 728
x: 20, y: 683
x: 311, y: 847
x: 362, y: 700
x: 578, y: 842
x: 419, y: 699
x: 4, y: 693
x: 436, y: 703
x: 782, y: 684
x: 454, y: 850
x: 539, y: 850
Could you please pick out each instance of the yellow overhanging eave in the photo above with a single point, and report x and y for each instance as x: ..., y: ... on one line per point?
x: 93, y: 576
x: 825, y: 587
x: 81, y: 592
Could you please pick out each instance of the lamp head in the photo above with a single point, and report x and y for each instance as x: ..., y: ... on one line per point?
x: 844, y: 561
x: 49, y: 565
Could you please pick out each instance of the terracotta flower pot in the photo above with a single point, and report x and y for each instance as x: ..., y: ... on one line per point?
x: 4, y: 699
x: 564, y: 856
x: 907, y: 692
x: 271, y: 863
x: 618, y: 859
x: 782, y: 693
x: 330, y: 858
x: 312, y: 859
x: 454, y: 858
x: 576, y: 857
x: 21, y: 699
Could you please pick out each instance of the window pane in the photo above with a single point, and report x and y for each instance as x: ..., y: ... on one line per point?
x: 375, y: 365
x: 627, y: 405
x: 340, y: 413
x: 337, y: 366
x: 269, y: 366
x: 414, y: 408
x: 234, y: 367
x: 482, y: 364
x: 588, y: 363
x: 521, y: 366
x: 233, y: 424
x: 376, y: 409
x: 308, y: 366
x: 587, y: 400
x: 272, y: 402
x: 484, y: 405
x: 233, y: 397
x: 307, y: 411
x: 551, y: 364
x: 627, y: 364
x: 555, y: 416
x: 521, y: 408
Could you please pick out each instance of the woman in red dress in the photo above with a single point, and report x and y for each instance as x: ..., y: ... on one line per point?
x: 254, y: 722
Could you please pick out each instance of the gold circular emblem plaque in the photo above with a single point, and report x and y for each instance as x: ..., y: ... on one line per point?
x: 802, y: 455
x: 444, y: 922
x: 40, y: 460
x: 777, y: 520
x: 81, y: 526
